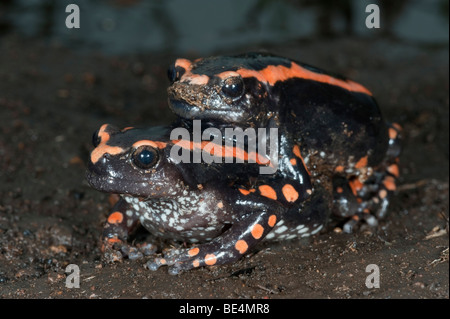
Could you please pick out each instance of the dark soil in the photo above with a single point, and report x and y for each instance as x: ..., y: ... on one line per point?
x: 52, y: 100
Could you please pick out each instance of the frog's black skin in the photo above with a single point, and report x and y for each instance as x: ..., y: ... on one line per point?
x: 336, y: 155
x: 335, y: 123
x: 227, y: 217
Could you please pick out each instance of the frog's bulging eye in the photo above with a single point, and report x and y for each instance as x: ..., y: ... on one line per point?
x: 233, y: 87
x: 174, y: 73
x: 145, y: 157
x: 96, y: 139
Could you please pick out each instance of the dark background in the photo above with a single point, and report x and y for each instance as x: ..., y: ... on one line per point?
x: 57, y: 86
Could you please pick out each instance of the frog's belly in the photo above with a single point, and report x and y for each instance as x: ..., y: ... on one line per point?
x: 177, y: 220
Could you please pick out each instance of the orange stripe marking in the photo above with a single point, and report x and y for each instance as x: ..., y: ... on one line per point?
x: 154, y: 144
x: 268, y: 192
x: 272, y: 74
x: 184, y: 63
x: 296, y: 151
x: 210, y: 147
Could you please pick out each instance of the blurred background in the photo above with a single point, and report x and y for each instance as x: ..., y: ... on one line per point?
x: 206, y: 26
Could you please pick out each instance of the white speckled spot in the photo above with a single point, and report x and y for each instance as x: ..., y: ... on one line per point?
x: 280, y: 230
x: 315, y: 231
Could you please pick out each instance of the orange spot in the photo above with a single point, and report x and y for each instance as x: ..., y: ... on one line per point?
x: 293, y: 161
x: 220, y: 204
x: 392, y: 133
x: 127, y: 128
x: 115, y: 218
x: 246, y: 192
x: 196, y: 263
x: 193, y: 252
x: 393, y: 169
x: 272, y: 220
x: 257, y: 231
x: 289, y: 193
x: 210, y: 259
x: 162, y: 261
x: 382, y: 193
x: 339, y: 189
x: 397, y: 126
x: 355, y: 185
x: 153, y: 144
x: 113, y: 240
x: 309, y: 191
x: 389, y: 183
x: 355, y: 217
x: 241, y: 246
x: 362, y: 162
x: 268, y: 192
x: 339, y: 169
x: 274, y: 73
x: 366, y: 211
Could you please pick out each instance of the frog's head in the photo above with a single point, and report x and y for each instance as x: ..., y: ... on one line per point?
x: 230, y: 89
x: 132, y: 161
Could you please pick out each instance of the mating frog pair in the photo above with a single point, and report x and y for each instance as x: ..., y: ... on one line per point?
x: 337, y: 157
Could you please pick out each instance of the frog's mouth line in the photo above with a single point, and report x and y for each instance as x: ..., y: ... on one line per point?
x: 191, y: 111
x: 110, y: 184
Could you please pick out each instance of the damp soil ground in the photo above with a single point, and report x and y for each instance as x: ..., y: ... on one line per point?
x: 52, y: 100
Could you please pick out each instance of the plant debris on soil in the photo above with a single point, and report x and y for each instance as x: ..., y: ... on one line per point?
x: 53, y: 99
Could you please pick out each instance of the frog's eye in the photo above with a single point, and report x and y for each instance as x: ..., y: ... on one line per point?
x: 145, y: 157
x: 96, y: 139
x: 233, y: 87
x: 174, y: 73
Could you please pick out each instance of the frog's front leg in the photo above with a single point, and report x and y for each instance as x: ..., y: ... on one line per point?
x: 120, y: 224
x: 258, y: 217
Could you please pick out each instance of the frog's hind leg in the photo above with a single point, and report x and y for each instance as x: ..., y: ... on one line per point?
x: 368, y: 201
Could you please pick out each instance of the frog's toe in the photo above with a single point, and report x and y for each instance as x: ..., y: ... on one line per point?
x: 156, y: 263
x: 358, y: 219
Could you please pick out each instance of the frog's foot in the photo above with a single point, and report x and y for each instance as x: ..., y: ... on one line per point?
x: 209, y: 254
x: 115, y: 250
x: 368, y: 202
x: 227, y: 248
